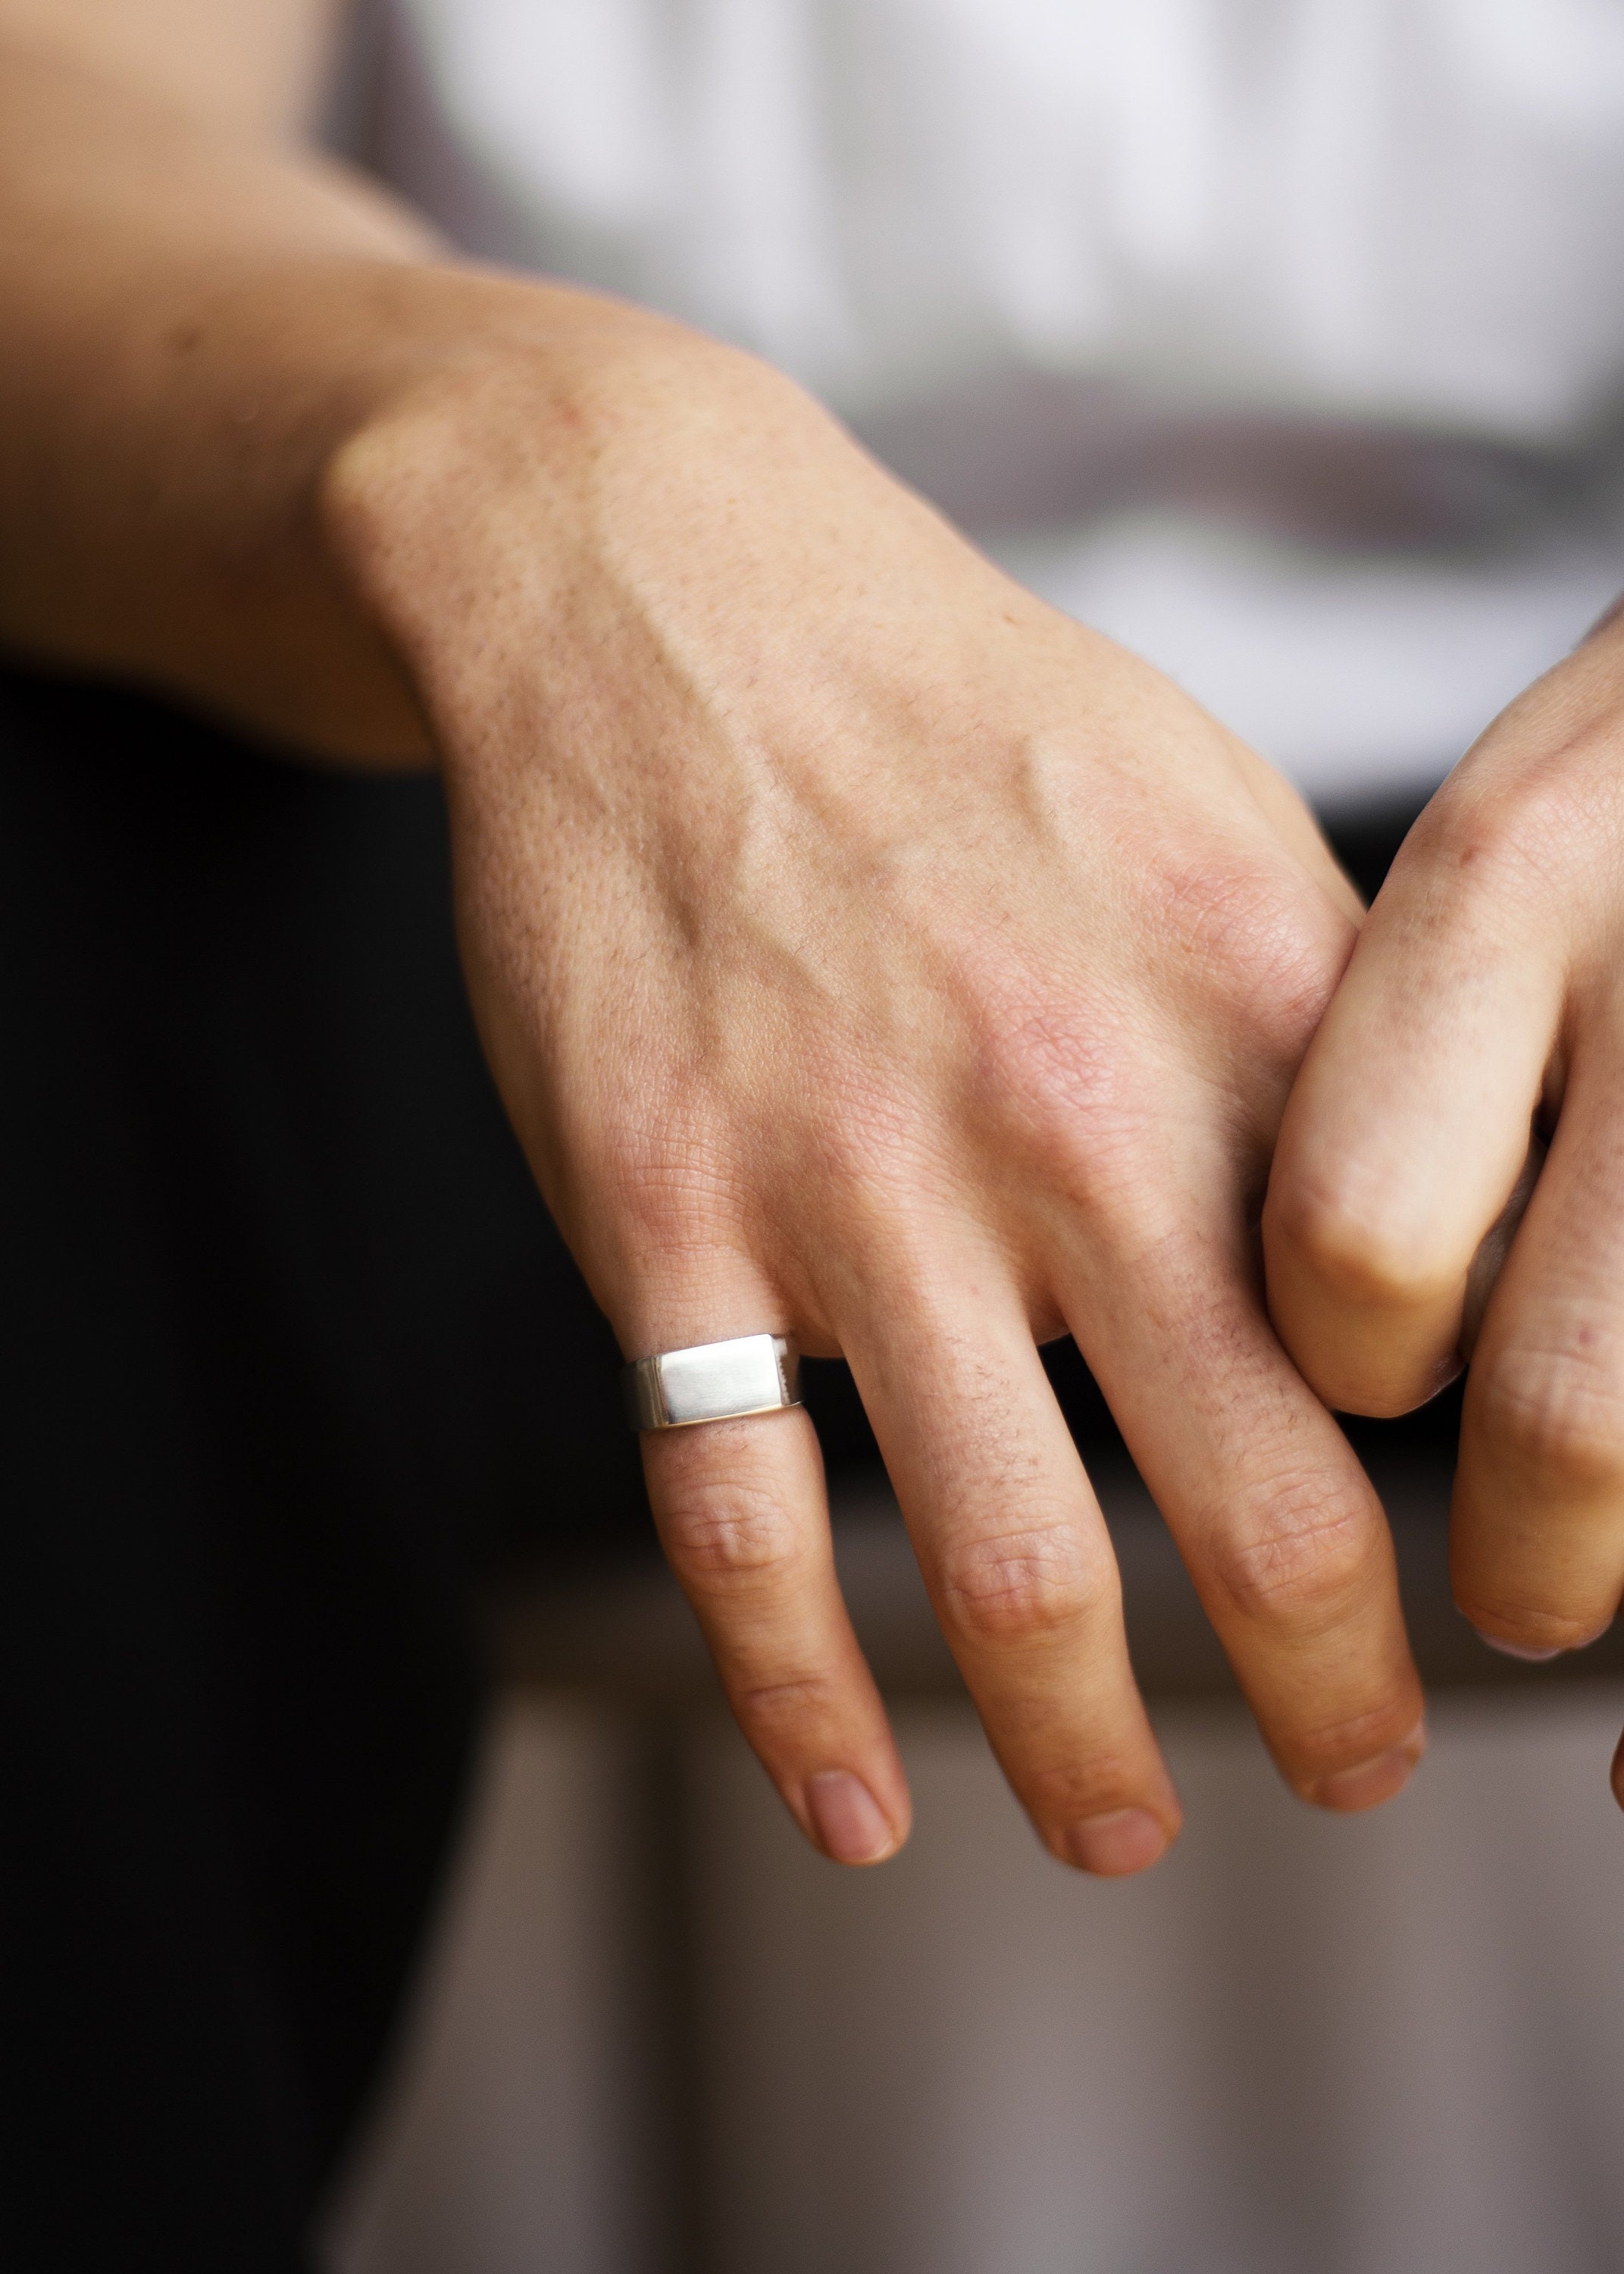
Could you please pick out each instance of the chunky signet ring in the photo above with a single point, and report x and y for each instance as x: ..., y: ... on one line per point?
x: 712, y: 1381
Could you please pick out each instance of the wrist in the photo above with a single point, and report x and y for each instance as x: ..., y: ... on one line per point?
x: 491, y: 462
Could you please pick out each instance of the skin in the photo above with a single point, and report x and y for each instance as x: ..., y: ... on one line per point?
x: 1411, y: 1218
x: 863, y: 951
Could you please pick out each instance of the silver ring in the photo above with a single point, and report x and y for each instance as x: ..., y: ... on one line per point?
x: 712, y: 1381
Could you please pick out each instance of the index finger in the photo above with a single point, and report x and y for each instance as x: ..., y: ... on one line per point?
x: 1409, y: 1126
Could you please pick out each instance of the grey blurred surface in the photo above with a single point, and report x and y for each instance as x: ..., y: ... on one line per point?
x: 658, y: 2035
x: 1304, y: 2045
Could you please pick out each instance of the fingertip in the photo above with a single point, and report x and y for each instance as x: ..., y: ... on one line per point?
x: 846, y: 1822
x: 1528, y: 1652
x: 1617, y: 1776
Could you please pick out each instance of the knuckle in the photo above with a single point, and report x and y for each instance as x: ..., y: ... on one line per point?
x: 673, y: 1188
x: 789, y: 1712
x: 1507, y: 835
x: 1021, y: 1585
x: 1059, y: 1060
x: 726, y: 1532
x: 1354, y: 1243
x: 1252, y: 935
x: 873, y: 1156
x: 1069, y: 1087
x: 1557, y: 1414
x: 1289, y: 1553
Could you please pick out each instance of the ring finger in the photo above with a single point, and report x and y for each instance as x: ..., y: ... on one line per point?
x: 742, y: 1515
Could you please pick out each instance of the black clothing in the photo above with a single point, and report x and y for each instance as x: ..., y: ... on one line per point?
x: 277, y: 1291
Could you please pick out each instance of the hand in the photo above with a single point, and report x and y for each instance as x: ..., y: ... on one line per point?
x: 1483, y: 1013
x: 866, y: 953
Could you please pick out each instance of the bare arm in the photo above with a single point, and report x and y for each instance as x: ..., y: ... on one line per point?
x: 255, y: 65
x: 197, y: 311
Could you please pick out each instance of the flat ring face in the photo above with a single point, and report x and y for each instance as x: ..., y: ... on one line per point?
x: 712, y: 1381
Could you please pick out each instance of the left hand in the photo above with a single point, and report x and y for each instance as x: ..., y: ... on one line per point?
x: 1481, y: 1015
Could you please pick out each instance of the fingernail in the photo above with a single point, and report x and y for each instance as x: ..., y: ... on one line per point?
x: 1373, y: 1780
x: 1122, y: 1841
x: 1516, y: 1649
x: 847, y: 1818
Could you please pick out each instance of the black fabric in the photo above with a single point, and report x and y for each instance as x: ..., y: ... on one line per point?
x: 278, y: 1296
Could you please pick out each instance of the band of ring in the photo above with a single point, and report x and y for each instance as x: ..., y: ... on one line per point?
x: 712, y: 1381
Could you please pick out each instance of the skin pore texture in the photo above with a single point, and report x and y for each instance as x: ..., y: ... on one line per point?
x: 863, y: 951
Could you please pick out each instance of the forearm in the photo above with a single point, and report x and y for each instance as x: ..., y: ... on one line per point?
x: 197, y: 323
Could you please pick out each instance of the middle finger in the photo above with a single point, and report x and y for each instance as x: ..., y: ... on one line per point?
x: 1014, y: 1550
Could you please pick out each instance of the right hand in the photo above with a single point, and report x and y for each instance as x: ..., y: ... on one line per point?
x: 866, y: 953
